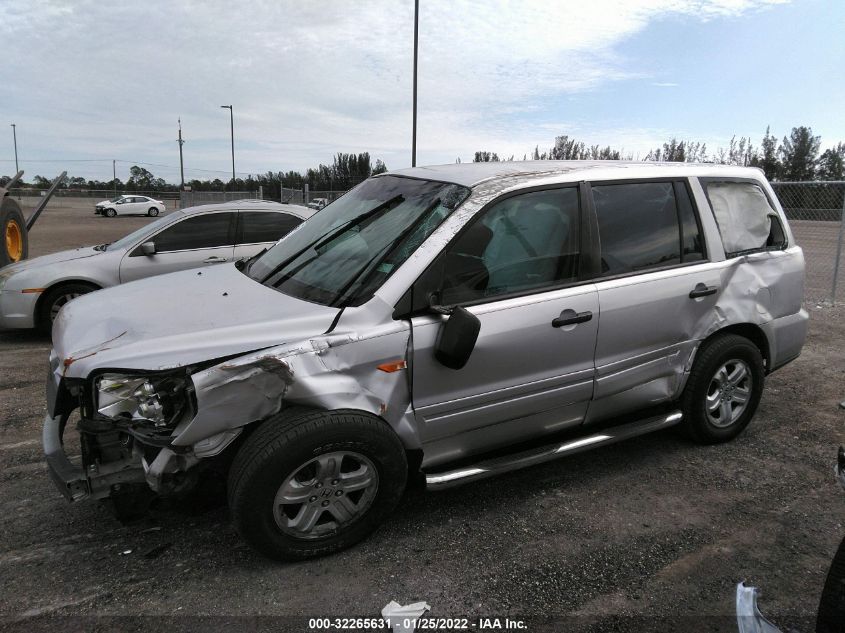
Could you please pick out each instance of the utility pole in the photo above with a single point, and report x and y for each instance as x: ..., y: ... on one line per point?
x: 232, y: 127
x: 114, y: 176
x: 416, y: 46
x: 15, y: 139
x: 181, y: 164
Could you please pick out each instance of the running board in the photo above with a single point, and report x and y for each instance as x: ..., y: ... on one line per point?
x: 507, y: 463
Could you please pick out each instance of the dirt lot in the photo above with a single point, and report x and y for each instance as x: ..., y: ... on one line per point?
x: 653, y: 533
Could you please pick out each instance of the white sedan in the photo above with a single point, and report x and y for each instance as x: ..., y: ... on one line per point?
x: 129, y: 205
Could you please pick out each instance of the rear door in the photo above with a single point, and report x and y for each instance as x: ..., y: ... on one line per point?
x: 258, y: 230
x: 516, y: 267
x: 198, y: 240
x: 655, y: 284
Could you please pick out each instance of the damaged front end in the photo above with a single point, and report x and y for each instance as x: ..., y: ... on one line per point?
x: 126, y: 424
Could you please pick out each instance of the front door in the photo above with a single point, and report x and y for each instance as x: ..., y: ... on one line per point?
x: 516, y: 267
x: 198, y: 240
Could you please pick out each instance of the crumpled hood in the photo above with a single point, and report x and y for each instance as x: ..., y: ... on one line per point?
x: 54, y: 258
x: 179, y: 319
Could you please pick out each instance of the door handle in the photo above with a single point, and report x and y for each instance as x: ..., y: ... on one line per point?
x: 214, y: 260
x: 701, y: 290
x: 578, y: 317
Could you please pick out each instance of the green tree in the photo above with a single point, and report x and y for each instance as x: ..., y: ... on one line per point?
x: 831, y: 164
x: 767, y: 158
x: 799, y: 152
x: 486, y: 157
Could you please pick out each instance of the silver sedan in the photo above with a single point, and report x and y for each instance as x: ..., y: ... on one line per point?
x: 33, y: 291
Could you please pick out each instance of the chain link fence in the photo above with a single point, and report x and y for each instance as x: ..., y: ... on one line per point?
x: 293, y: 196
x: 815, y: 213
x: 195, y: 198
x: 68, y: 197
x: 329, y: 196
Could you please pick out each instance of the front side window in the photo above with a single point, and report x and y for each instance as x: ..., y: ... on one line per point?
x: 638, y: 226
x: 342, y: 254
x: 266, y: 226
x: 524, y: 243
x: 202, y: 231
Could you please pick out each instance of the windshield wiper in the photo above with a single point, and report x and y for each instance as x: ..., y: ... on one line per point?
x: 365, y: 272
x: 328, y: 237
x: 102, y: 247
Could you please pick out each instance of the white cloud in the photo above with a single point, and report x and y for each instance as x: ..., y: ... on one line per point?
x: 107, y: 80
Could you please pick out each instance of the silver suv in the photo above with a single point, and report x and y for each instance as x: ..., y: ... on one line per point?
x: 452, y: 322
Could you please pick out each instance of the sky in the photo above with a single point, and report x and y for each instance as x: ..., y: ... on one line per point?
x: 88, y: 82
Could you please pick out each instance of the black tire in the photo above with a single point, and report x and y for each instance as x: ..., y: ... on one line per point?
x: 831, y: 615
x: 152, y: 212
x: 713, y: 355
x: 279, y: 448
x: 12, y: 229
x: 110, y: 213
x: 56, y: 297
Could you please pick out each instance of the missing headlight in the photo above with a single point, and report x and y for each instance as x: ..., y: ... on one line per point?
x: 156, y: 399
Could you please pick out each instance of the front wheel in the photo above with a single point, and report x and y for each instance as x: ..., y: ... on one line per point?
x: 308, y: 483
x: 152, y: 212
x: 723, y: 390
x: 55, y: 298
x: 110, y: 213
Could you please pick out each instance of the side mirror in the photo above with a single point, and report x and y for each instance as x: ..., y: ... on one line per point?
x: 456, y: 338
x: 148, y: 248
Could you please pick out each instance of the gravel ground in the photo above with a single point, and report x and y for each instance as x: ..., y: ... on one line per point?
x: 652, y: 533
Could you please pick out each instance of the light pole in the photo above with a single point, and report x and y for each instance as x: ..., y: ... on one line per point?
x: 232, y: 127
x: 181, y: 164
x: 416, y: 39
x: 15, y: 140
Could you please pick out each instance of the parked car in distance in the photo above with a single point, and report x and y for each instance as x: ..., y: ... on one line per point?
x: 130, y: 205
x: 449, y: 322
x: 33, y: 291
x: 318, y: 203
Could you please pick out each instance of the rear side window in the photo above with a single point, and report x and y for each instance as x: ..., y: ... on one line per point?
x: 203, y: 231
x: 266, y: 226
x: 638, y: 226
x: 743, y: 214
x: 646, y: 225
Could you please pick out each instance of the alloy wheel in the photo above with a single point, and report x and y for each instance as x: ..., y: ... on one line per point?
x: 325, y: 494
x: 728, y: 393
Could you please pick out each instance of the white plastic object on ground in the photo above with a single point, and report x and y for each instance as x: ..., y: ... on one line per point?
x: 748, y: 616
x: 399, y: 615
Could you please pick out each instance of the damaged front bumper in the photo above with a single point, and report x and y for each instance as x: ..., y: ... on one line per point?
x: 129, y: 462
x: 75, y: 482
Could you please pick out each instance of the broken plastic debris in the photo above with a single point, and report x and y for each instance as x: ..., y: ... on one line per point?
x: 125, y: 552
x: 748, y: 616
x: 399, y: 615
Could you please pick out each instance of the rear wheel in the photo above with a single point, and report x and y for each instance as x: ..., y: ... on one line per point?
x: 309, y: 483
x: 723, y: 390
x: 15, y: 244
x: 152, y: 212
x: 56, y: 298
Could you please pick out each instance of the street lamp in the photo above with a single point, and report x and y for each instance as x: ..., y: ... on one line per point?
x: 15, y: 139
x: 232, y: 127
x: 416, y: 40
